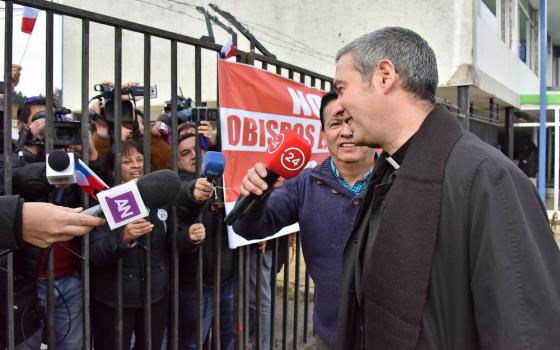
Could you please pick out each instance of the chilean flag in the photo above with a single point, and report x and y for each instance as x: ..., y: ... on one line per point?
x: 29, y: 19
x: 228, y: 50
x: 88, y: 180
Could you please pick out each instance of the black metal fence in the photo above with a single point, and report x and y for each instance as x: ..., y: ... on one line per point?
x: 289, y: 334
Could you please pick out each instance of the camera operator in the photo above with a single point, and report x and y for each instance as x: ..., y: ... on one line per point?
x: 30, y: 262
x: 102, y: 110
x: 30, y: 145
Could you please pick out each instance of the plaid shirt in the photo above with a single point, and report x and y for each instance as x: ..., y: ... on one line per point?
x: 360, y: 185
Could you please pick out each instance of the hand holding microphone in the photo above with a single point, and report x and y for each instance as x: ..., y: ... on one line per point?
x: 253, y: 182
x: 285, y: 157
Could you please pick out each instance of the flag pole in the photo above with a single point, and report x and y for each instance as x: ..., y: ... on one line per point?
x: 25, y: 49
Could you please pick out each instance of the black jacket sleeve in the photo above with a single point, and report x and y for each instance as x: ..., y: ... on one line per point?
x: 10, y: 222
x: 30, y: 181
x: 106, y: 246
x: 188, y: 208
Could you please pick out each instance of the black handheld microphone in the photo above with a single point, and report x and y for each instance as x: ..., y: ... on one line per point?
x: 286, y: 156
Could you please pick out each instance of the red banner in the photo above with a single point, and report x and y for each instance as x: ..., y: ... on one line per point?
x: 256, y: 105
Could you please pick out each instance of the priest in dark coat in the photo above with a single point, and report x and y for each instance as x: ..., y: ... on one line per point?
x: 452, y: 248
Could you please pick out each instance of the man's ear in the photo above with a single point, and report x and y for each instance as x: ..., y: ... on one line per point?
x: 386, y: 75
x: 20, y: 124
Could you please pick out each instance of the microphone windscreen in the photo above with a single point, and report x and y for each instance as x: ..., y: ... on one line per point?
x: 58, y: 160
x: 288, y: 154
x: 213, y: 164
x: 159, y: 188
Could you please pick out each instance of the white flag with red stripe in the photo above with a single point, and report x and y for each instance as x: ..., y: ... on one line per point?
x: 29, y: 18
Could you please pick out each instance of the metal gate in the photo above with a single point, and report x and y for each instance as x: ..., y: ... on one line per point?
x: 294, y: 320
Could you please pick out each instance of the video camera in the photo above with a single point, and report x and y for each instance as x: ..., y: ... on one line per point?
x: 202, y: 113
x: 183, y: 109
x: 106, y: 96
x: 67, y: 131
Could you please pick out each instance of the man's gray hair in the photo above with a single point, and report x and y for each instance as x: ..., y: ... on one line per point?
x: 413, y: 58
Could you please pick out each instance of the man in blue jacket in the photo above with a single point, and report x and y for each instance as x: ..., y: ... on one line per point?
x: 324, y: 200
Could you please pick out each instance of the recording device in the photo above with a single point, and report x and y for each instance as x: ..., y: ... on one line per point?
x: 106, y: 96
x: 66, y: 130
x: 202, y: 113
x: 183, y: 110
x: 286, y: 156
x: 182, y: 104
x: 61, y: 168
x: 213, y: 165
x: 128, y: 202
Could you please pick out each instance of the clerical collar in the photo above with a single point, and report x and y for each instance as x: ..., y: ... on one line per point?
x: 397, y: 158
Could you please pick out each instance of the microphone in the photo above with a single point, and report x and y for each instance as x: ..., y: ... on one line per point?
x: 128, y: 202
x: 286, y: 156
x: 213, y: 165
x: 60, y: 168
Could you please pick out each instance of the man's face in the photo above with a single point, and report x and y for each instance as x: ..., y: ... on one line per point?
x: 186, y: 155
x: 340, y: 137
x: 360, y: 101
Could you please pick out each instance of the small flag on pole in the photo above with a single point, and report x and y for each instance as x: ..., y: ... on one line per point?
x: 88, y: 180
x: 228, y: 50
x: 29, y: 18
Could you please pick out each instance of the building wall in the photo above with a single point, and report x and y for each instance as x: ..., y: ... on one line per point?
x: 499, y: 71
x: 304, y: 33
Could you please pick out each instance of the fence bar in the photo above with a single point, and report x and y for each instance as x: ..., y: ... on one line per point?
x: 84, y: 129
x: 147, y: 168
x: 306, y: 306
x: 200, y: 251
x: 246, y: 298
x: 285, y: 296
x: 174, y: 251
x: 258, y: 297
x: 296, y: 289
x: 273, y: 283
x: 117, y: 150
x: 217, y: 282
x: 8, y: 40
x: 51, y: 302
x: 238, y: 298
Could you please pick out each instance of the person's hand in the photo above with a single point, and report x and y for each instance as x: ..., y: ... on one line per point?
x: 197, y: 232
x: 261, y: 246
x: 253, y: 181
x: 202, y: 189
x: 205, y: 129
x: 16, y: 71
x: 38, y: 126
x: 137, y: 229
x: 160, y: 129
x: 101, y: 127
x: 45, y: 223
